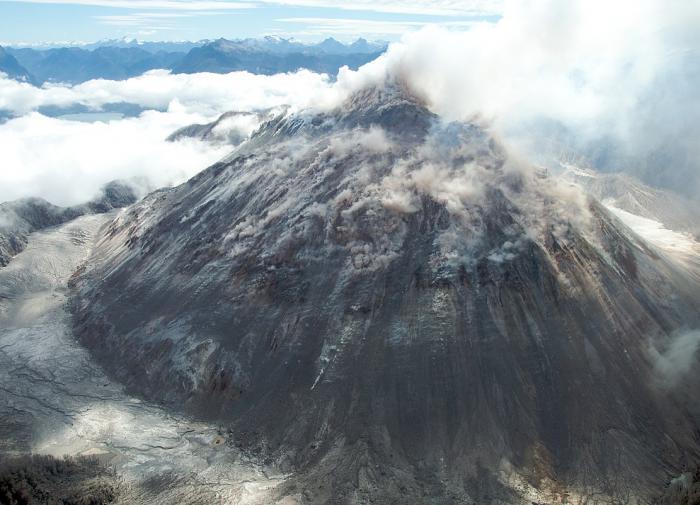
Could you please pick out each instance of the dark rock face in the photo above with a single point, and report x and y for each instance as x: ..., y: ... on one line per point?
x: 393, y: 309
x: 21, y: 217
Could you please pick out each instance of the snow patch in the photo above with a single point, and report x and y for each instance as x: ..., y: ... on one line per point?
x: 656, y: 233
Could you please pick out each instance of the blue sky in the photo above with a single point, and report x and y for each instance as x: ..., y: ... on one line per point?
x: 60, y: 21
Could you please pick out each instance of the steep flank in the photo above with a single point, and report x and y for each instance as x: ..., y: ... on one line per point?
x: 393, y: 310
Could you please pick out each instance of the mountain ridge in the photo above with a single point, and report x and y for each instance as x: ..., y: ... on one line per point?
x: 124, y: 59
x: 10, y: 66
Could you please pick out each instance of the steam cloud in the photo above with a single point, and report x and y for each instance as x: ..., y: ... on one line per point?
x: 617, y: 82
x: 674, y: 363
x: 204, y: 93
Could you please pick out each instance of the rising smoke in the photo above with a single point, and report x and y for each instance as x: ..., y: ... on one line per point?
x: 616, y: 82
x: 673, y: 363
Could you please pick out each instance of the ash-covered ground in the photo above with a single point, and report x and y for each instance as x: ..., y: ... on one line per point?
x: 55, y: 400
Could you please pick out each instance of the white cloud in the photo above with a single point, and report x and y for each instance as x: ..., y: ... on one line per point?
x: 624, y: 72
x: 530, y: 61
x: 67, y: 162
x: 204, y: 92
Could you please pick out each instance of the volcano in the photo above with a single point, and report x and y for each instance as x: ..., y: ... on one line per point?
x: 391, y: 308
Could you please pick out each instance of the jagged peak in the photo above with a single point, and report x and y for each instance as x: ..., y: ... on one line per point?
x: 390, y: 93
x: 390, y: 105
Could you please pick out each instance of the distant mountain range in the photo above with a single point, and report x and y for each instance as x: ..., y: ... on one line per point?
x: 10, y: 66
x: 154, y: 47
x: 121, y: 59
x: 75, y: 65
x: 274, y: 56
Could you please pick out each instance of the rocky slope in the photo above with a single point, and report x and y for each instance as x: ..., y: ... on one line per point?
x: 393, y: 310
x: 56, y: 401
x: 230, y: 128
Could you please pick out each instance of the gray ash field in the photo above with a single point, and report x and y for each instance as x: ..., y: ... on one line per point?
x: 55, y: 400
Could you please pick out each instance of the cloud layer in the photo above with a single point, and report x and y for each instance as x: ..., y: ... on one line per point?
x: 204, y: 93
x: 66, y: 162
